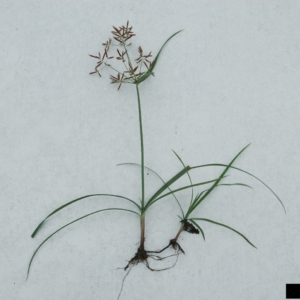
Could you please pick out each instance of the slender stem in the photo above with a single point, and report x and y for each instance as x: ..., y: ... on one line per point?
x: 142, y: 147
x: 142, y: 220
x: 179, y: 232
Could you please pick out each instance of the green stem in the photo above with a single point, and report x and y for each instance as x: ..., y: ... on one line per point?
x: 142, y: 220
x: 142, y: 147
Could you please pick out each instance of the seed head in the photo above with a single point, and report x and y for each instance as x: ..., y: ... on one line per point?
x: 131, y: 74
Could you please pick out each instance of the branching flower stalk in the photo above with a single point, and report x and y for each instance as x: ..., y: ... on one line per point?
x: 134, y: 75
x: 131, y: 75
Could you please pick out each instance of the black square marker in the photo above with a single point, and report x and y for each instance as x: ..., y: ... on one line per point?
x: 292, y: 291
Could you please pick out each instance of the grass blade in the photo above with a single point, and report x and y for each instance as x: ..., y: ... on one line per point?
x: 147, y: 168
x: 151, y: 68
x: 241, y: 170
x: 234, y: 184
x: 187, y: 175
x: 229, y: 184
x: 182, y: 188
x: 217, y: 181
x: 98, y: 211
x: 200, y: 229
x: 221, y: 184
x: 165, y: 186
x: 220, y: 224
x: 194, y: 203
x: 78, y: 199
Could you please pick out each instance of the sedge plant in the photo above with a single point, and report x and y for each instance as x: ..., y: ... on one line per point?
x: 126, y: 70
x: 189, y: 223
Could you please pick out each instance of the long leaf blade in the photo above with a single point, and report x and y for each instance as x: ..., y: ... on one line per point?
x: 190, y: 179
x: 223, y: 225
x: 223, y: 184
x: 194, y: 203
x: 183, y: 188
x: 248, y: 173
x: 166, y: 185
x: 235, y: 184
x: 98, y: 211
x: 151, y: 68
x: 78, y: 199
x: 151, y: 170
x: 217, y: 181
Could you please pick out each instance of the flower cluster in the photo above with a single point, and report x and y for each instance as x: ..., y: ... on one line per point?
x: 130, y: 74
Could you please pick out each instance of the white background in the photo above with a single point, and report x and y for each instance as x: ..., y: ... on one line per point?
x: 229, y: 79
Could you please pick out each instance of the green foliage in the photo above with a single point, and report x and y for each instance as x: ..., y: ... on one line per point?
x: 85, y: 216
x: 76, y: 200
x: 220, y: 224
x: 135, y: 75
x: 151, y: 68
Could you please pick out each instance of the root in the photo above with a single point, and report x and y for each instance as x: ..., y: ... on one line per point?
x: 161, y: 258
x: 160, y: 251
x: 123, y: 282
x: 176, y: 245
x: 140, y: 256
x: 172, y: 243
x: 155, y: 257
